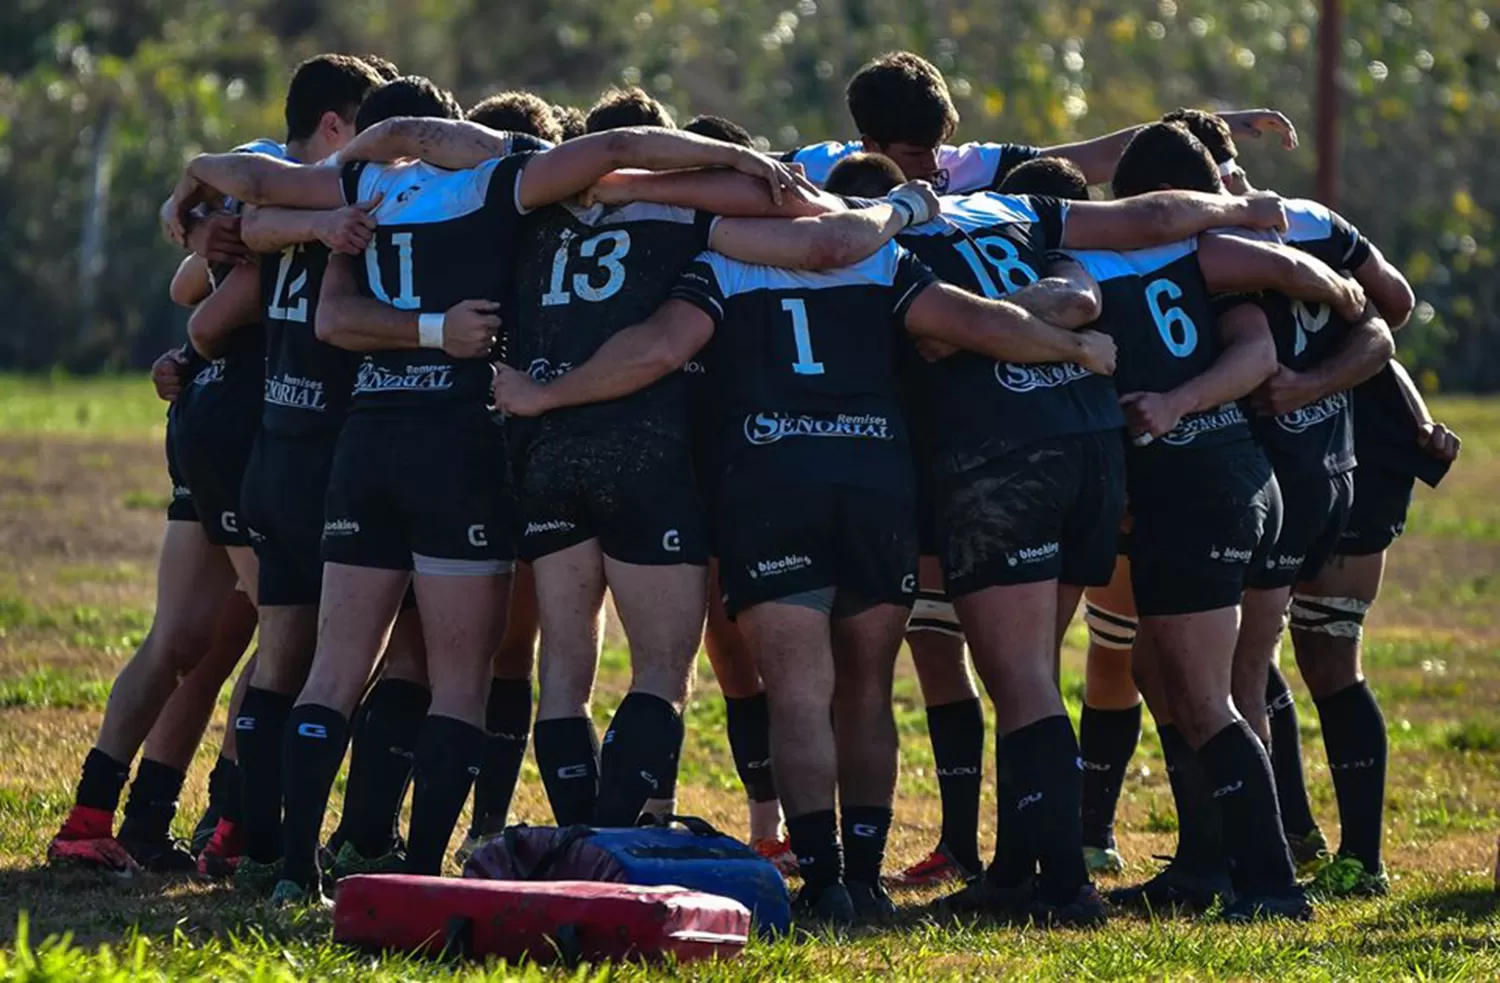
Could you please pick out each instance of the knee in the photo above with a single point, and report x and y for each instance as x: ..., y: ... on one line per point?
x: 1112, y: 632
x: 178, y: 650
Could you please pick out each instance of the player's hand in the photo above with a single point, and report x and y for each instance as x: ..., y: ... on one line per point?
x: 517, y: 393
x: 216, y: 237
x: 1285, y: 391
x: 779, y: 176
x: 1149, y: 415
x: 349, y: 229
x: 1265, y: 210
x: 1098, y: 352
x: 174, y: 211
x: 167, y: 374
x: 1256, y: 123
x: 920, y: 198
x: 1438, y: 441
x: 1351, y: 306
x: 471, y: 328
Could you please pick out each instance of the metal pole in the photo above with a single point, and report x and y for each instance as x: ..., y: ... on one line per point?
x: 1328, y: 103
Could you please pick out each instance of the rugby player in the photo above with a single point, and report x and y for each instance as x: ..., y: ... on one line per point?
x: 1204, y: 505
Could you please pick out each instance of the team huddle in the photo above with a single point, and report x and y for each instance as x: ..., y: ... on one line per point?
x: 454, y: 376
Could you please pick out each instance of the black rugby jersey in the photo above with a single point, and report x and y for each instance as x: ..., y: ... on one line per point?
x: 585, y: 275
x: 443, y: 237
x: 808, y: 385
x: 1158, y: 310
x: 994, y: 245
x: 970, y: 167
x: 308, y: 381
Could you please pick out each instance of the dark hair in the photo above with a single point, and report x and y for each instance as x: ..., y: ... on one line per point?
x: 326, y: 83
x: 1210, y: 129
x: 1055, y: 177
x: 570, y: 121
x: 410, y: 95
x: 901, y: 98
x: 721, y: 129
x: 1165, y: 155
x: 384, y: 67
x: 626, y: 107
x: 864, y: 176
x: 518, y: 112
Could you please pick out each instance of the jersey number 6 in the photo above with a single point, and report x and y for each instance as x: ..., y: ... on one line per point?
x: 1171, y: 321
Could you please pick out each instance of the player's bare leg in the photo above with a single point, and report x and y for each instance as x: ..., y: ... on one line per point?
x: 1262, y: 620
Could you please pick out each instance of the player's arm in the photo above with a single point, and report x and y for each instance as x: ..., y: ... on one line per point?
x: 1247, y: 357
x: 716, y: 190
x: 191, y: 283
x: 827, y: 242
x: 349, y: 320
x: 1165, y: 216
x: 252, y: 178
x: 1433, y: 437
x: 1387, y: 288
x: 232, y: 305
x: 1097, y: 157
x: 1003, y: 330
x: 1068, y: 296
x: 628, y: 362
x: 1365, y: 350
x: 1232, y: 264
x: 270, y: 229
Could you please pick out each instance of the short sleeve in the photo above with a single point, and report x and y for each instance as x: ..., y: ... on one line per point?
x: 699, y: 285
x: 979, y: 166
x: 1347, y: 240
x: 817, y: 159
x: 1317, y: 229
x: 912, y: 277
x: 502, y: 195
x: 703, y: 227
x: 1052, y: 217
x: 349, y: 178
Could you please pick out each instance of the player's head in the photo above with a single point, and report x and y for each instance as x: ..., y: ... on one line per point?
x: 1214, y: 133
x: 571, y: 121
x: 1165, y: 156
x: 626, y: 107
x: 1053, y: 177
x: 323, y: 99
x: 384, y: 67
x: 863, y: 176
x: 410, y: 95
x: 721, y: 129
x: 902, y: 109
x: 518, y: 112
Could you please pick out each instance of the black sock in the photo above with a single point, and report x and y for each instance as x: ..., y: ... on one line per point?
x: 1354, y: 736
x: 866, y: 829
x: 815, y: 841
x: 1106, y: 740
x: 258, y: 732
x: 507, y: 721
x: 224, y: 790
x: 957, y: 733
x: 1048, y: 789
x: 380, y: 763
x: 313, y: 750
x: 567, y: 754
x: 638, y: 760
x: 1015, y: 862
x: 102, y: 781
x: 750, y: 742
x: 449, y: 754
x: 1200, y: 827
x: 152, y: 804
x: 1239, y: 771
x: 1286, y: 757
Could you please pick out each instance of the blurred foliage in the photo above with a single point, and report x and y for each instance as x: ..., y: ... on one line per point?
x: 101, y: 100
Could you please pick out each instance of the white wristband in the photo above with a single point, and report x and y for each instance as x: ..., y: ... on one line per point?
x: 430, y: 330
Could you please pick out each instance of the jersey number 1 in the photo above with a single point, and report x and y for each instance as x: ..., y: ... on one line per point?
x: 802, y: 337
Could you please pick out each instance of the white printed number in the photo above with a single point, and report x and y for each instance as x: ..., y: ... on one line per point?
x: 1001, y: 255
x: 803, y: 338
x: 406, y: 300
x: 1310, y: 320
x: 1178, y: 332
x: 615, y: 245
x: 282, y: 308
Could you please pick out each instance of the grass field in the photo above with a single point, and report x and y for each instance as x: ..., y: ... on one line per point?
x: 82, y: 488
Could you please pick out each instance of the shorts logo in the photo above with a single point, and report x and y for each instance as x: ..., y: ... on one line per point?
x: 694, y: 367
x: 768, y: 428
x: 774, y: 568
x: 1309, y: 416
x: 375, y: 378
x: 1029, y: 378
x: 230, y: 521
x: 1190, y: 427
x: 315, y: 731
x: 551, y: 525
x: 477, y: 536
x: 179, y: 493
x: 542, y: 370
x: 671, y: 541
x: 295, y: 393
x: 340, y: 527
x: 211, y: 373
x: 1229, y: 554
x: 1032, y: 554
x: 909, y: 584
x: 1284, y: 562
x: 573, y: 771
